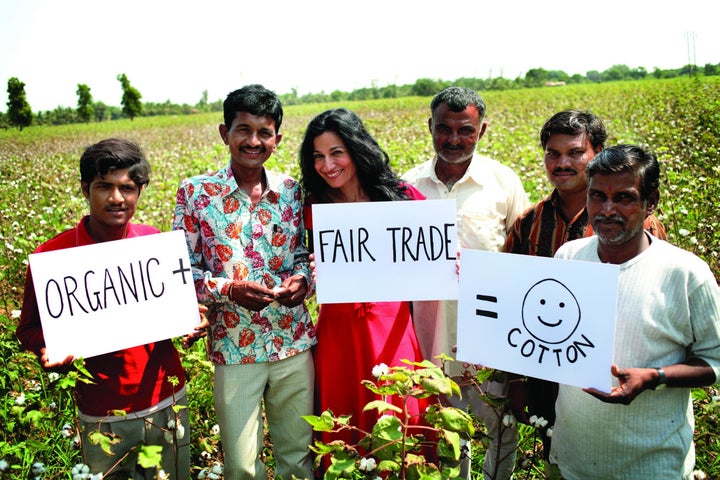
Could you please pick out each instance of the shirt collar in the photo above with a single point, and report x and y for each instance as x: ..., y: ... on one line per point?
x: 274, y: 180
x: 555, y: 202
x: 82, y: 236
x: 474, y: 172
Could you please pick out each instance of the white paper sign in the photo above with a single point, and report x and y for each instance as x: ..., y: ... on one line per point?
x: 541, y: 317
x: 385, y: 251
x: 108, y: 296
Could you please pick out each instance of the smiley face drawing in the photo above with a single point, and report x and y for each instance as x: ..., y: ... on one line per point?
x: 550, y: 311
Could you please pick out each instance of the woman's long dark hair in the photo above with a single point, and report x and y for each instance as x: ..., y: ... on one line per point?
x: 372, y: 163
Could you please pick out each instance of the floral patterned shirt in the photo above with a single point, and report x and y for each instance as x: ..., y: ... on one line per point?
x: 228, y: 239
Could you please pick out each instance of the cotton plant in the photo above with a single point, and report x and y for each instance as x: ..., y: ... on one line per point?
x: 393, y: 450
x: 174, y: 431
x: 37, y: 470
x: 82, y: 472
x: 476, y: 376
x: 67, y: 431
x: 212, y: 473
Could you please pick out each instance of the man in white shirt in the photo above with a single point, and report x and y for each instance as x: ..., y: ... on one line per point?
x: 667, y: 334
x: 489, y: 196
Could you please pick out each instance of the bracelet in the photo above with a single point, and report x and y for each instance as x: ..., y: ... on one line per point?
x: 229, y: 292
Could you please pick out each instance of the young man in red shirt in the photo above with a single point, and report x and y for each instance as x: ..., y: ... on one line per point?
x: 113, y: 173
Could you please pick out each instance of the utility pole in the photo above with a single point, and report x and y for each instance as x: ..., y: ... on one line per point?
x: 690, y: 40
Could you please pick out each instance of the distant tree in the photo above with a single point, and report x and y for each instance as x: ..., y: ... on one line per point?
x: 101, y: 112
x: 502, y: 83
x: 291, y: 98
x: 558, y: 76
x: 425, y: 87
x: 639, y: 73
x: 19, y: 111
x: 61, y: 116
x: 389, y: 91
x: 363, y: 94
x: 616, y: 72
x: 476, y: 84
x: 536, y: 77
x: 338, y: 96
x: 131, y: 105
x: 85, y: 107
x: 690, y: 70
x: 203, y: 102
x: 657, y: 72
x: 710, y: 69
x: 594, y: 76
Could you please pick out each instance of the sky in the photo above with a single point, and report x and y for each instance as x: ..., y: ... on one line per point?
x: 176, y: 50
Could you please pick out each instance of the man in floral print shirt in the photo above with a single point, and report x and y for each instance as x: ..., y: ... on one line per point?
x: 244, y: 227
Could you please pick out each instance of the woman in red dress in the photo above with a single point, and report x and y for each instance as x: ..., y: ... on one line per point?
x: 342, y: 162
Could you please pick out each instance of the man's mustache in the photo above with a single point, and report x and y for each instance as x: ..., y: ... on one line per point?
x: 608, y: 219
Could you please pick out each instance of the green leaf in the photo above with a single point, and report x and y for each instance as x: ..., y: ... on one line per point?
x: 381, y: 406
x: 444, y: 358
x: 323, y: 423
x: 79, y: 365
x: 388, y: 466
x: 150, y: 456
x: 425, y: 364
x: 67, y: 382
x: 340, y: 466
x: 437, y: 386
x: 387, y: 422
x: 456, y: 420
x: 450, y: 472
x: 484, y: 374
x: 34, y: 417
x: 425, y: 472
x: 449, y: 445
x: 105, y: 440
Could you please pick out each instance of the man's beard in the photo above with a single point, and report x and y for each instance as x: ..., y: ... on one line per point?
x: 622, y: 237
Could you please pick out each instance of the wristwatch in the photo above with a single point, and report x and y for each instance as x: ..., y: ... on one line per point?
x: 661, y: 380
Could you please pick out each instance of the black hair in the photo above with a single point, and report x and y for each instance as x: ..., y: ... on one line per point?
x: 256, y: 100
x: 628, y: 158
x: 458, y: 99
x: 575, y: 122
x: 372, y: 163
x: 114, y: 154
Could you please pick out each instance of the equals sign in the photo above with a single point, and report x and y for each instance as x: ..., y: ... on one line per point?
x: 486, y: 313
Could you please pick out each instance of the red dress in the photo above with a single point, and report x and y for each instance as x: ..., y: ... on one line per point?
x: 352, y: 339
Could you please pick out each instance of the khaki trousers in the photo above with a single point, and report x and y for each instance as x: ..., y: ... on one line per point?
x: 287, y: 388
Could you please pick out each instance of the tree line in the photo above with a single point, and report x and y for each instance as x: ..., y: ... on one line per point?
x: 20, y: 114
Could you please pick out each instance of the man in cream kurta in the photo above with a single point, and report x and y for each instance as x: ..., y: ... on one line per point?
x: 489, y: 196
